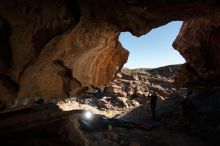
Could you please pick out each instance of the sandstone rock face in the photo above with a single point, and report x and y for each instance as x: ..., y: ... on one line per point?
x: 58, y: 48
x: 198, y: 43
x: 54, y: 52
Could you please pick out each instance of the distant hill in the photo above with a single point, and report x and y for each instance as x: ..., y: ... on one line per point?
x: 168, y: 70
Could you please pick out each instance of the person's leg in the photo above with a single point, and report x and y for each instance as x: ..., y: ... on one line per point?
x: 153, y: 103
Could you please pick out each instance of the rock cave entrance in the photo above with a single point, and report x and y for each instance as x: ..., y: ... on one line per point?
x: 60, y: 48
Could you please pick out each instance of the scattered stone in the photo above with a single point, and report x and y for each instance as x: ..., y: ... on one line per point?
x: 132, y: 85
x: 161, y: 91
x: 136, y: 77
x: 130, y: 91
x: 107, y: 98
x: 114, y: 90
x: 126, y: 76
x: 119, y: 76
x: 104, y: 104
x: 110, y: 91
x: 146, y: 94
x: 140, y: 94
x: 135, y: 103
x: 138, y: 87
x: 122, y: 93
x: 123, y: 100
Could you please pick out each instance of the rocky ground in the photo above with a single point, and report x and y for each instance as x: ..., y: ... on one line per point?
x: 127, y: 97
x: 130, y: 89
x: 181, y: 119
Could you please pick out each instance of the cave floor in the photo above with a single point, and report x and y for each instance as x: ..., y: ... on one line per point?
x: 159, y: 136
x: 57, y: 124
x: 49, y: 125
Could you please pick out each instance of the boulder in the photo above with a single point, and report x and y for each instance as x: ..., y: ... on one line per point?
x: 161, y: 91
x: 139, y: 93
x: 136, y: 77
x: 130, y: 91
x: 114, y: 90
x: 126, y: 76
x: 135, y: 103
x: 119, y: 76
x: 198, y: 43
x: 102, y: 103
x: 123, y: 101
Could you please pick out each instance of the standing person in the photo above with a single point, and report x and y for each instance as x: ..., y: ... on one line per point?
x: 153, y: 104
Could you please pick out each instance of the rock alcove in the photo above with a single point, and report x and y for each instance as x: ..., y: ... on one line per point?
x: 59, y: 48
x: 56, y: 49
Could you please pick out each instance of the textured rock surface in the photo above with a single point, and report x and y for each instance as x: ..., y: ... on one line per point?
x: 51, y: 53
x: 198, y: 42
x: 56, y: 48
x: 126, y: 93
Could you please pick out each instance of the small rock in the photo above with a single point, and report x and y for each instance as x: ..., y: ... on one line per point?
x: 122, y: 93
x: 130, y: 91
x: 123, y: 100
x: 126, y: 76
x: 160, y: 90
x: 104, y: 104
x: 140, y: 93
x: 138, y: 88
x: 146, y: 94
x: 135, y: 103
x: 119, y: 76
x: 136, y: 77
x: 107, y: 98
x: 114, y: 90
x: 132, y: 85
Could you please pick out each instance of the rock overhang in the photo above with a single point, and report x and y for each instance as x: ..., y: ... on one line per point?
x: 57, y: 48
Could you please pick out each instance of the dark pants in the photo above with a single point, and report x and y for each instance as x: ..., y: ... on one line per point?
x: 153, y: 104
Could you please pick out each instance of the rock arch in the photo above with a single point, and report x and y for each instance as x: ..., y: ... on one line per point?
x: 82, y: 36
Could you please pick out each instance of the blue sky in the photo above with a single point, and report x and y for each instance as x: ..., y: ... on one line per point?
x: 153, y: 49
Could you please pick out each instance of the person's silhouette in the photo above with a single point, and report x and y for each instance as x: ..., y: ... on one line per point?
x: 153, y: 104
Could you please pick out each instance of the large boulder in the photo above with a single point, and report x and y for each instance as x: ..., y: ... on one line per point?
x: 198, y: 43
x: 114, y: 90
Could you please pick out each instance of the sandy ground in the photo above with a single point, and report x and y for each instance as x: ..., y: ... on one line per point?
x: 74, y: 105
